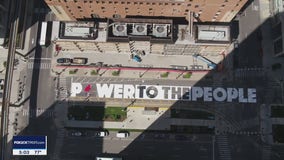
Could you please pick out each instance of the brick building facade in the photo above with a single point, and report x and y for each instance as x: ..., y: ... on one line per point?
x: 206, y: 10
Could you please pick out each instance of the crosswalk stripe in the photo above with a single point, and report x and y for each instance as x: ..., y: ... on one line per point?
x: 224, y: 151
x: 31, y: 65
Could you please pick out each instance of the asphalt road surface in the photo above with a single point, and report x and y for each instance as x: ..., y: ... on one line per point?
x: 147, y: 146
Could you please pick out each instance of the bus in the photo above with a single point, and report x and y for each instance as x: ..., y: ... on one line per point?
x: 43, y: 32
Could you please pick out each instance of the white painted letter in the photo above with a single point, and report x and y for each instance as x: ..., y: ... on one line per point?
x: 241, y: 96
x: 197, y: 92
x: 104, y: 91
x: 76, y: 88
x: 128, y: 91
x: 117, y: 91
x: 251, y: 95
x: 216, y: 96
x: 207, y: 94
x: 232, y: 94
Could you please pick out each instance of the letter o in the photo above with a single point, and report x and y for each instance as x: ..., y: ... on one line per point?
x: 216, y: 96
x: 151, y: 92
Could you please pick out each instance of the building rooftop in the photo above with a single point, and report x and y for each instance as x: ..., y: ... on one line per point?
x: 154, y: 30
x: 212, y: 33
x: 78, y: 30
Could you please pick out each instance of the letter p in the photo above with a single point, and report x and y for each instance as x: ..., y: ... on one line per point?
x: 197, y: 92
x: 76, y: 88
x: 232, y: 94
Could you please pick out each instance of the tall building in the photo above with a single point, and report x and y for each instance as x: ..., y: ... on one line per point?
x: 277, y: 8
x: 3, y: 19
x: 205, y: 10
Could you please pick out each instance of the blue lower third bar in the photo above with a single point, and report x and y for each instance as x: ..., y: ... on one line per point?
x: 29, y: 145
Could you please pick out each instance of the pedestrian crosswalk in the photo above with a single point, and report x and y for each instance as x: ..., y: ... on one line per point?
x: 223, y: 146
x: 266, y: 151
x: 244, y: 73
x: 62, y: 89
x: 44, y: 65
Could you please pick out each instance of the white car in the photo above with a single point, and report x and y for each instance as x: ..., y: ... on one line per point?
x: 122, y: 134
x: 101, y: 133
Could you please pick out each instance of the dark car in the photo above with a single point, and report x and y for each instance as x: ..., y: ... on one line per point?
x: 180, y: 137
x: 137, y: 58
x: 63, y: 60
x: 162, y: 136
x: 98, y: 64
x: 117, y: 65
x: 78, y: 133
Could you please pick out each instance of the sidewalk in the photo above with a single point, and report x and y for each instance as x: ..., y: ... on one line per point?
x: 138, y: 118
x: 266, y: 124
x: 132, y: 73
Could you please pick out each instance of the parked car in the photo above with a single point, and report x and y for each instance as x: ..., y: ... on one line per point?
x: 180, y: 137
x: 80, y: 60
x: 122, y: 134
x: 98, y: 64
x: 117, y: 65
x: 162, y: 136
x: 137, y: 58
x: 101, y: 133
x: 63, y: 60
x: 78, y: 133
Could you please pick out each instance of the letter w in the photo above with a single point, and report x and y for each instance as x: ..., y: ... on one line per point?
x: 104, y: 91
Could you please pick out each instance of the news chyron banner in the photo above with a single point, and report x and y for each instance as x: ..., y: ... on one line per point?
x: 30, y: 145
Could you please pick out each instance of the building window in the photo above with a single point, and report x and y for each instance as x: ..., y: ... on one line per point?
x: 278, y: 46
x: 188, y: 5
x: 102, y: 7
x: 78, y: 7
x: 196, y: 6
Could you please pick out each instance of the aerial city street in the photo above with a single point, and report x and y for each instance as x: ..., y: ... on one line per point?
x: 142, y: 79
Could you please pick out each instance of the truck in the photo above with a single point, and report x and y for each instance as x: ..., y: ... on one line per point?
x: 43, y: 32
x: 79, y: 60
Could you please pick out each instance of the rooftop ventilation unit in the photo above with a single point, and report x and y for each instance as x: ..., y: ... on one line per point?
x: 119, y: 29
x: 140, y: 29
x: 161, y: 30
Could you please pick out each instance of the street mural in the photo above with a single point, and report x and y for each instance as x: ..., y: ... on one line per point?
x: 163, y: 92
